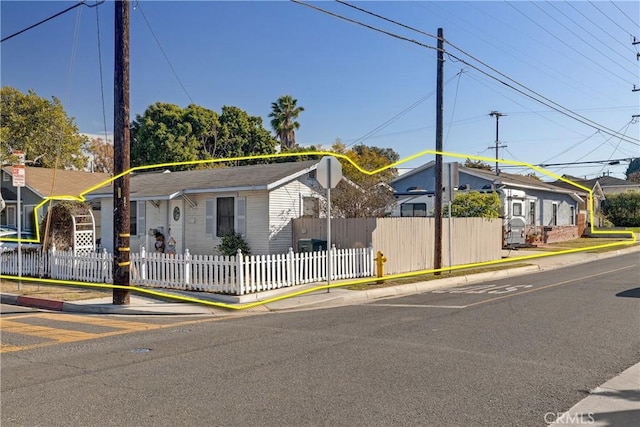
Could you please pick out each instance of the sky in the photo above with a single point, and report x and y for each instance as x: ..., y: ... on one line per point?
x: 357, y: 84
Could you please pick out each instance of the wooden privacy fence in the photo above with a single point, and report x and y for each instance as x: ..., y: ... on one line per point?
x: 408, y: 243
x: 237, y: 275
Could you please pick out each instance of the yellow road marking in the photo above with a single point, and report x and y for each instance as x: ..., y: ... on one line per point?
x: 57, y: 334
x: 54, y: 334
x: 99, y: 321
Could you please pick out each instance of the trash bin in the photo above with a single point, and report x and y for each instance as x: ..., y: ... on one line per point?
x: 311, y: 245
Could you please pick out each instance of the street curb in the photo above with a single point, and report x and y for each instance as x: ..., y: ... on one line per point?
x: 25, y: 301
x: 344, y: 297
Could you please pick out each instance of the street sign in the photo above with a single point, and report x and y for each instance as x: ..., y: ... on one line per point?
x: 20, y: 155
x: 19, y: 176
x: 329, y: 172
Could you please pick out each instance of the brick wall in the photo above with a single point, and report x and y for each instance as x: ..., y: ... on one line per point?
x: 560, y: 234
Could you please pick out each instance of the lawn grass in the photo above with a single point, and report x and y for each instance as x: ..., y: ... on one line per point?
x: 57, y: 293
x: 584, y: 242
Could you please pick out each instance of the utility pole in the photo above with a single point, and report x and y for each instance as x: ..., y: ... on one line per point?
x: 121, y: 237
x: 437, y: 253
x: 497, y: 114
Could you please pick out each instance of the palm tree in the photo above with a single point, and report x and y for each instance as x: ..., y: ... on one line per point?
x: 284, y: 113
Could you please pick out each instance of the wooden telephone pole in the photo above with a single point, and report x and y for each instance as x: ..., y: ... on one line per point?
x: 437, y: 253
x: 121, y: 237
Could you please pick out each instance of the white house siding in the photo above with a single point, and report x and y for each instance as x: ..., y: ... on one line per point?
x: 285, y: 203
x: 106, y: 228
x: 257, y: 223
x: 257, y: 235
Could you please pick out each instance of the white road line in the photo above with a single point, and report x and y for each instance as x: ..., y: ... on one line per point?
x: 420, y: 305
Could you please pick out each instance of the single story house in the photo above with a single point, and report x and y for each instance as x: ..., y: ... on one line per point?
x: 38, y: 186
x: 197, y: 207
x: 530, y: 207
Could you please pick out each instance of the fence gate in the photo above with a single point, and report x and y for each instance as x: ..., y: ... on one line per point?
x: 84, y: 231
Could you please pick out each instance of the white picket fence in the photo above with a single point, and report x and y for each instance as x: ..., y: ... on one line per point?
x: 237, y: 275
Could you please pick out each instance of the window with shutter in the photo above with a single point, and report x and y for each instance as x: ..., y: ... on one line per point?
x: 208, y: 228
x: 241, y: 216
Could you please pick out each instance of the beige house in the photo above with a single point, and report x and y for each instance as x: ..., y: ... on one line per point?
x: 41, y: 183
x: 196, y: 208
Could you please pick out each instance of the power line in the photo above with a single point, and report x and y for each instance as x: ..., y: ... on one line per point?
x: 598, y: 26
x: 543, y: 28
x: 104, y: 112
x: 353, y: 21
x: 566, y: 111
x: 386, y: 19
x: 586, y: 31
x: 139, y: 6
x: 50, y: 18
x: 560, y: 108
x: 544, y: 68
x: 608, y: 17
x: 635, y: 24
x: 400, y: 114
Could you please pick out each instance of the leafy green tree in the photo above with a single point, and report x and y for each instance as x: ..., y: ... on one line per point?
x: 243, y: 135
x: 634, y: 167
x: 284, y: 113
x: 166, y: 133
x: 41, y: 128
x: 364, y: 196
x: 474, y: 204
x: 162, y: 135
x: 623, y: 209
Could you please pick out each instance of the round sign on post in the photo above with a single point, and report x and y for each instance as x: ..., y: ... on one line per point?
x: 329, y: 172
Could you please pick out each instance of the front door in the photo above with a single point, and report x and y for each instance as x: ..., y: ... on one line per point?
x: 176, y: 221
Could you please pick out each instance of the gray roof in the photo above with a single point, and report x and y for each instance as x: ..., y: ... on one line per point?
x: 519, y: 181
x: 603, y: 181
x: 167, y: 185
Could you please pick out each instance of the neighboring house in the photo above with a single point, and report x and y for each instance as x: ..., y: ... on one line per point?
x: 198, y: 207
x: 530, y: 206
x: 601, y: 186
x: 596, y: 190
x: 40, y: 184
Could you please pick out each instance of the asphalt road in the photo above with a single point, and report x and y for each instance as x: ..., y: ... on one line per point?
x: 504, y: 355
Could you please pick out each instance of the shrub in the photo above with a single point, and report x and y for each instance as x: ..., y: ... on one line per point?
x: 230, y: 244
x: 623, y: 209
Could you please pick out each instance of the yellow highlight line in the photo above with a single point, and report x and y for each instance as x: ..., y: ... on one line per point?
x: 82, y: 198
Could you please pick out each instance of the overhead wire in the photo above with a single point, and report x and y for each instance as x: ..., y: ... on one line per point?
x: 626, y: 58
x: 399, y: 115
x: 609, y: 18
x: 635, y: 24
x: 546, y: 30
x: 82, y: 3
x: 564, y: 110
x: 104, y: 111
x: 453, y: 109
x: 173, y: 70
x: 544, y: 68
x: 362, y: 24
x: 616, y: 39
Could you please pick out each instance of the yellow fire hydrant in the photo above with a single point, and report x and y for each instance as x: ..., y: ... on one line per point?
x: 380, y: 260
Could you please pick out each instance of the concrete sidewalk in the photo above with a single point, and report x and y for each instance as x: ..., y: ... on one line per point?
x: 614, y: 403
x: 278, y: 300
